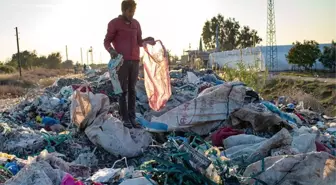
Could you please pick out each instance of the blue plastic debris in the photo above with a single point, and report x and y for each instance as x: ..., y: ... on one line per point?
x: 12, y: 167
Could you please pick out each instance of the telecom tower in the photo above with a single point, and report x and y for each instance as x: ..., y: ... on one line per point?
x: 271, y: 47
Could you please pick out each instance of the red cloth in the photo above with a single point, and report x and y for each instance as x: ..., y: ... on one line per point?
x: 125, y: 36
x: 223, y: 133
x: 83, y: 89
x: 321, y: 147
x: 300, y: 116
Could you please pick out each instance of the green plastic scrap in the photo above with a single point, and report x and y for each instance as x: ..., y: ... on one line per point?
x: 57, y: 140
x: 168, y: 172
x: 8, y: 173
x: 174, y: 168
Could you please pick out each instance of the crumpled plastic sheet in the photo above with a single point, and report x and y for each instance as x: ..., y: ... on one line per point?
x: 315, y: 168
x: 157, y: 79
x: 37, y: 173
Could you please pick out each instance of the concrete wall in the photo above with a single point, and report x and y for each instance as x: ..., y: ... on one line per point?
x: 231, y: 58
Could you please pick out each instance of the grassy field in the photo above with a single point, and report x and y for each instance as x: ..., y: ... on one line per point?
x: 11, y: 85
x: 321, y: 74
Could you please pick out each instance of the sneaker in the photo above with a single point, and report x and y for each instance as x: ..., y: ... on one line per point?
x: 127, y: 125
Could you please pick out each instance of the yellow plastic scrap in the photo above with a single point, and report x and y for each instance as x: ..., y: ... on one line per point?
x: 7, y: 156
x: 64, y: 133
x: 38, y: 119
x: 6, y: 128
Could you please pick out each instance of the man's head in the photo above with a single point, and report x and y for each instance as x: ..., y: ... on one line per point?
x: 128, y: 8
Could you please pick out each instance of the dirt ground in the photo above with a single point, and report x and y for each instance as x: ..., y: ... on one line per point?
x: 319, y: 94
x: 12, y: 86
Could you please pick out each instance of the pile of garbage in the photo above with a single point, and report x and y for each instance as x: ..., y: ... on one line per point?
x: 209, y: 132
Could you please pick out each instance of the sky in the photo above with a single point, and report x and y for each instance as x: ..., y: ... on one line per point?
x: 49, y: 25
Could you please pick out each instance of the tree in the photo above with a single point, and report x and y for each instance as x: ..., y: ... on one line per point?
x: 26, y: 58
x: 248, y: 38
x: 304, y: 54
x: 67, y: 64
x: 54, y: 60
x: 230, y: 36
x: 328, y: 57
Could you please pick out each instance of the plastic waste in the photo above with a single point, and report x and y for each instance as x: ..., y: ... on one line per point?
x: 81, y: 87
x: 66, y: 92
x: 155, y: 126
x: 290, y: 106
x: 157, y: 79
x: 13, y: 167
x: 69, y: 180
x: 276, y: 110
x: 105, y: 175
x: 138, y: 181
x: 104, y: 77
x: 7, y: 156
x: 48, y: 121
x: 54, y: 101
x: 192, y: 78
x: 113, y: 66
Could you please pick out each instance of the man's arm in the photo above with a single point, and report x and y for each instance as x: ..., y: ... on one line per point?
x: 109, y: 37
x: 140, y: 40
x: 139, y: 37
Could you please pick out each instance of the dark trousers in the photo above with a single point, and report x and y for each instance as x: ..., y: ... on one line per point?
x: 128, y: 77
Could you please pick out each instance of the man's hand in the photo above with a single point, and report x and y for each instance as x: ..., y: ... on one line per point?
x: 150, y: 40
x: 113, y: 53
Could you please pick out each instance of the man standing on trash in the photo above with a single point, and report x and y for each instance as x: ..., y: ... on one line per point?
x: 125, y: 34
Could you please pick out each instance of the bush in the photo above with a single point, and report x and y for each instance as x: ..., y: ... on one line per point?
x: 250, y: 75
x: 7, y: 69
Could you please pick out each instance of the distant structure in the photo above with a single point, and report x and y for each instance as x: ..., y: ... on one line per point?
x: 271, y: 47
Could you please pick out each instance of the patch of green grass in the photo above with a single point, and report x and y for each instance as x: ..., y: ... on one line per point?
x: 303, y: 74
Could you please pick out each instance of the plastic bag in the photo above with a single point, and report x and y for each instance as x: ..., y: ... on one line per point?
x: 84, y: 107
x: 113, y: 67
x: 110, y: 133
x: 157, y: 79
x: 37, y: 173
x: 211, y: 106
x: 313, y: 168
x: 69, y: 180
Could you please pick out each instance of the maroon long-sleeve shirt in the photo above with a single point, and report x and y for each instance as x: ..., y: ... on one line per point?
x: 126, y: 37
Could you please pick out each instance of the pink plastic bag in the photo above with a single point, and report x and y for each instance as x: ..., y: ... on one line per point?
x: 157, y: 79
x: 69, y: 180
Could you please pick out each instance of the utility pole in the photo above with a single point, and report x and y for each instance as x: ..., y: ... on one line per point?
x: 18, y: 48
x: 66, y: 52
x: 91, y: 50
x: 87, y: 57
x: 81, y: 55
